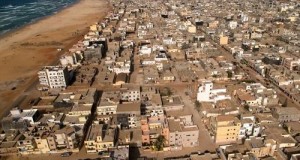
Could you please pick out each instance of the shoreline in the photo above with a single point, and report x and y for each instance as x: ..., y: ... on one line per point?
x: 27, y: 49
x: 12, y: 31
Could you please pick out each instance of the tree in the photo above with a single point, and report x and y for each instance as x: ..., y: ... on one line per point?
x: 285, y: 103
x: 247, y: 107
x: 169, y: 92
x: 229, y: 74
x: 197, y: 105
x: 159, y: 143
x: 166, y: 92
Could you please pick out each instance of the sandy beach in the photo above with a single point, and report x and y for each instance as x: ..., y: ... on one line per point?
x: 25, y: 51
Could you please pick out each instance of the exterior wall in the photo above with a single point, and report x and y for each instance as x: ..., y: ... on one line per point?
x: 184, y: 139
x: 206, y: 93
x: 93, y: 146
x: 169, y: 78
x: 172, y: 141
x: 166, y: 134
x: 54, y: 78
x: 260, y: 152
x: 288, y: 117
x: 106, y: 110
x: 190, y: 138
x: 223, y: 40
x: 25, y: 146
x: 227, y: 134
x: 192, y: 29
x: 51, y: 142
x: 131, y: 95
x: 42, y: 145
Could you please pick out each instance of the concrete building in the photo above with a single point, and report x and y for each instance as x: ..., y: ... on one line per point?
x: 100, y: 138
x: 286, y: 114
x: 95, y: 51
x: 183, y: 133
x: 108, y: 103
x: 130, y: 92
x: 65, y: 138
x: 222, y: 40
x: 206, y: 93
x: 128, y: 115
x: 260, y: 147
x: 54, y: 76
x: 225, y: 128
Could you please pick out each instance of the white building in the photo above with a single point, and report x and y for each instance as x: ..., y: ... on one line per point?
x: 68, y: 60
x: 161, y: 56
x: 145, y: 50
x: 54, y: 76
x: 206, y: 93
x: 130, y: 92
x: 232, y: 24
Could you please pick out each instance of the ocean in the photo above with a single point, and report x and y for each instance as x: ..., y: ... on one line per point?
x: 17, y: 13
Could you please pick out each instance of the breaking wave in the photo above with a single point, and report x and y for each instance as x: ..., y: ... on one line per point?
x: 17, y: 13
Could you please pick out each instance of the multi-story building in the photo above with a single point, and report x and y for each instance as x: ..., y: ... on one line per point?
x: 65, y: 138
x: 130, y: 92
x: 183, y: 133
x: 54, y: 76
x: 26, y: 145
x: 42, y: 144
x: 248, y: 127
x: 128, y: 115
x: 225, y: 128
x: 100, y: 138
x: 222, y: 40
x: 286, y: 114
x: 260, y: 147
x: 206, y: 93
x: 108, y: 103
x: 152, y: 129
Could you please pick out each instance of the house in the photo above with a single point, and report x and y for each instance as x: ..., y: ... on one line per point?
x: 108, y: 103
x: 66, y: 60
x: 94, y: 51
x: 286, y: 114
x: 173, y: 102
x: 128, y: 115
x: 65, y: 138
x: 105, y: 78
x: 131, y: 137
x: 222, y: 40
x: 145, y: 50
x: 161, y: 56
x: 152, y: 127
x: 206, y: 93
x: 130, y: 92
x: 121, y: 79
x: 183, y: 133
x: 260, y: 147
x: 168, y: 76
x: 150, y: 74
x: 100, y: 137
x: 247, y: 127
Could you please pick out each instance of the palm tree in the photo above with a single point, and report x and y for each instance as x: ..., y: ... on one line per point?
x: 159, y: 143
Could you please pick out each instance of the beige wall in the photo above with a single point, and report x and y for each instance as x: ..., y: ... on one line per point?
x: 223, y: 40
x: 227, y: 134
x: 42, y: 145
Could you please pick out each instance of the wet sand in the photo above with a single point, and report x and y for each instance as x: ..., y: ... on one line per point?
x: 25, y: 51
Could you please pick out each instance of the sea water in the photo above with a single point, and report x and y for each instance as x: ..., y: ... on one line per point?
x: 17, y: 13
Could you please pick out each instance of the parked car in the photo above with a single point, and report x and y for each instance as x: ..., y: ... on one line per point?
x: 66, y: 154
